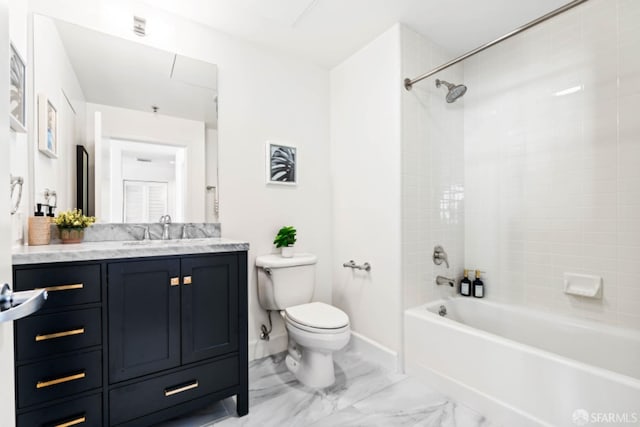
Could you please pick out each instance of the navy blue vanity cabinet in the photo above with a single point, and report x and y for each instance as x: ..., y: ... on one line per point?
x: 177, y: 335
x: 210, y: 307
x: 58, y: 350
x: 133, y: 341
x: 144, y: 317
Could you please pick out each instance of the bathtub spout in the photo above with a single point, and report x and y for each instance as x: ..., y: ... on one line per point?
x: 441, y: 280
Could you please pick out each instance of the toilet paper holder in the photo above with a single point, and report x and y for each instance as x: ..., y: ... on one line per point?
x: 352, y: 264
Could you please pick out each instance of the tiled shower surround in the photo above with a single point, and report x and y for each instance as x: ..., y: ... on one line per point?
x: 552, y: 162
x: 432, y: 173
x: 548, y: 171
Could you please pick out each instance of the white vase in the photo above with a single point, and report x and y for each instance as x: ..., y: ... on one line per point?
x: 287, y: 251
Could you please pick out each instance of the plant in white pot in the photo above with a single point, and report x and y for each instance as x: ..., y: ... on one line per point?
x: 285, y: 239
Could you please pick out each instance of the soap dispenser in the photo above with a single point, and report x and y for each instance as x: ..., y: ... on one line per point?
x: 478, y: 286
x: 465, y: 285
x: 39, y: 228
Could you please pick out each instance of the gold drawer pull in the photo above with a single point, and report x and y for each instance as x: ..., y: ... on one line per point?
x: 78, y: 331
x: 186, y: 280
x: 43, y: 384
x: 175, y: 281
x: 75, y: 422
x: 170, y: 392
x: 63, y: 287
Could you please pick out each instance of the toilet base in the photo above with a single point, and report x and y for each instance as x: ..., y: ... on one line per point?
x: 313, y: 369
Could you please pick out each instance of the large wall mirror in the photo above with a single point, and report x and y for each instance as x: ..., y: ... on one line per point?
x: 146, y: 117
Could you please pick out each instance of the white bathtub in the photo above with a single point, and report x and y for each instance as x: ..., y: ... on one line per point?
x: 522, y: 367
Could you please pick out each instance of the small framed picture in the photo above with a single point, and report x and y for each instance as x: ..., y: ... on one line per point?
x: 47, y: 127
x: 17, y: 110
x: 282, y: 164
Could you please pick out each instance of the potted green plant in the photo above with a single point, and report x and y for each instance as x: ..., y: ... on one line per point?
x: 285, y: 239
x: 71, y: 225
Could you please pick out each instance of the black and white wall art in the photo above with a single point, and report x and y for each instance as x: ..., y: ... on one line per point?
x: 17, y: 92
x: 282, y: 164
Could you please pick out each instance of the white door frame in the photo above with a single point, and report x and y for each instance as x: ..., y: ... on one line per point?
x: 7, y: 397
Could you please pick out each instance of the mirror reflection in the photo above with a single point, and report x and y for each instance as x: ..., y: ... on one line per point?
x: 147, y: 118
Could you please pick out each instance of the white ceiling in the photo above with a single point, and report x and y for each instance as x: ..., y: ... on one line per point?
x: 328, y: 31
x: 117, y: 72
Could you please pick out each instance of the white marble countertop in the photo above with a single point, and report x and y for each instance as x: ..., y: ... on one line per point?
x: 88, y: 251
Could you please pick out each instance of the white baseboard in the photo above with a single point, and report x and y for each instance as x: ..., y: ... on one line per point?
x: 260, y: 348
x: 375, y: 351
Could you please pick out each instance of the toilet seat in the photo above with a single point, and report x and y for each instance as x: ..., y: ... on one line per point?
x: 317, y: 317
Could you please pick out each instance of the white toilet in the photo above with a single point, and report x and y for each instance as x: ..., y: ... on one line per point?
x: 315, y: 329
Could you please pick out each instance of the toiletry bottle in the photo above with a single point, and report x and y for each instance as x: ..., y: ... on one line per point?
x: 465, y: 285
x: 478, y: 286
x: 39, y: 228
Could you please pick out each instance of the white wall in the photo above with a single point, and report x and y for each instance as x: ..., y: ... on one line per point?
x: 263, y: 96
x: 122, y: 123
x: 54, y: 77
x: 365, y: 167
x: 552, y: 182
x: 432, y: 173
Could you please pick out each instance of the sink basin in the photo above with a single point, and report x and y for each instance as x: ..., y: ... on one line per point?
x: 15, y: 305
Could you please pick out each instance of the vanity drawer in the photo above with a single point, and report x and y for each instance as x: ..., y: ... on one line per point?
x: 50, y: 334
x: 82, y: 412
x: 59, y: 377
x: 142, y: 398
x: 66, y: 285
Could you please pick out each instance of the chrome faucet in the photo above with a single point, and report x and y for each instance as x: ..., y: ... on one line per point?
x: 145, y: 233
x: 185, y: 234
x: 441, y: 280
x: 165, y: 220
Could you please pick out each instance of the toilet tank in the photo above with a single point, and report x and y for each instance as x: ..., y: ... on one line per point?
x: 285, y: 282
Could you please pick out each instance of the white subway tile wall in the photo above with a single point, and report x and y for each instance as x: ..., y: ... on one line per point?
x: 432, y: 173
x: 552, y: 162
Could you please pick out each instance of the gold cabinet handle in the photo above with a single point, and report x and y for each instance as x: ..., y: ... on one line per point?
x: 175, y: 281
x: 63, y: 287
x: 80, y: 420
x: 186, y: 280
x: 43, y: 384
x: 171, y: 391
x: 45, y: 337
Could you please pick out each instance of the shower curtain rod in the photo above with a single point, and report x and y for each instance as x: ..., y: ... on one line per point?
x: 408, y: 83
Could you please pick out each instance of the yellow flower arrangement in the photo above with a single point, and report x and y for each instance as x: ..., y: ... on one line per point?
x: 73, y: 219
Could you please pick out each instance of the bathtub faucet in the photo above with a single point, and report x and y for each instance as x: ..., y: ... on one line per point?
x: 441, y: 280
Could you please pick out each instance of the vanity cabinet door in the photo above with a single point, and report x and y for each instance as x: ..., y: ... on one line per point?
x: 144, y: 317
x: 209, y: 306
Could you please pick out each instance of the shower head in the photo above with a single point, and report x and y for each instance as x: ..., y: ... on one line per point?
x: 455, y: 91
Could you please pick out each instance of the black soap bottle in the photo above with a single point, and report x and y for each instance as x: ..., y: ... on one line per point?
x: 478, y: 286
x: 465, y: 285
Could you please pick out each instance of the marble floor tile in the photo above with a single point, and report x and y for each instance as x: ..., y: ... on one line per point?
x: 406, y: 403
x: 289, y: 403
x: 364, y: 394
x: 201, y: 417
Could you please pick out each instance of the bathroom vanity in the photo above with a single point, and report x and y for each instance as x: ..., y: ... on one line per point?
x: 132, y: 333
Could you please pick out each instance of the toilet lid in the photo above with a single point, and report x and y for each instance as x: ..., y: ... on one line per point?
x: 318, y: 315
